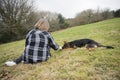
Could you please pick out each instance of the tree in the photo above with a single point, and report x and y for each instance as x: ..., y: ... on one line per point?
x: 90, y: 16
x: 117, y: 13
x: 84, y: 17
x: 62, y: 24
x: 61, y: 19
x: 106, y: 14
x: 13, y: 18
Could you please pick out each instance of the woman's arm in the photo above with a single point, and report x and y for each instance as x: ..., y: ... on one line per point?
x: 52, y: 43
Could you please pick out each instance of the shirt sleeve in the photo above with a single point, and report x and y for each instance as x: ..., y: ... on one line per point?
x: 52, y: 43
x: 26, y: 40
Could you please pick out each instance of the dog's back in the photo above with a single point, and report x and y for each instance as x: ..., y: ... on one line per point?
x: 79, y: 43
x: 82, y: 42
x: 88, y: 43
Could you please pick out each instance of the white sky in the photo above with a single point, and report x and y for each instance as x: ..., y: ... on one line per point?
x: 69, y: 8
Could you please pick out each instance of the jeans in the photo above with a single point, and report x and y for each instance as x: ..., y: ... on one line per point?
x: 18, y: 60
x: 21, y: 58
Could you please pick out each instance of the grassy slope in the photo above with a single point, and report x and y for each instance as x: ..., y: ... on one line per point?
x: 77, y: 64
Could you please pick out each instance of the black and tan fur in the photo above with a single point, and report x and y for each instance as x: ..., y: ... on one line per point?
x: 88, y: 43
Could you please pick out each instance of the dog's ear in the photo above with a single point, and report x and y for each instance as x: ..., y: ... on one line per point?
x: 65, y: 42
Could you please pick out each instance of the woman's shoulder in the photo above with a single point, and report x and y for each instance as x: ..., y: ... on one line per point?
x: 45, y: 32
x: 30, y: 32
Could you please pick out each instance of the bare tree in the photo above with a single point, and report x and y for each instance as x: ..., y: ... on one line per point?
x: 106, y: 14
x: 84, y: 17
x: 14, y: 12
x: 90, y: 16
x: 14, y: 16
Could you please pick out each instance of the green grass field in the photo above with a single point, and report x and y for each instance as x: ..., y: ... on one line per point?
x: 76, y: 64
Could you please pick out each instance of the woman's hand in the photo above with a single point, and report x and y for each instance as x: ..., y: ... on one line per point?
x: 60, y: 48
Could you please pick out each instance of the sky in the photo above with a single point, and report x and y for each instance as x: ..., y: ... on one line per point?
x: 69, y: 8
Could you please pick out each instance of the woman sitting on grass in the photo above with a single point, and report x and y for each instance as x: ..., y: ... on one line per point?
x: 37, y: 45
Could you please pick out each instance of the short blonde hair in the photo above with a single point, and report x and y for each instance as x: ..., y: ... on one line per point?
x: 42, y: 25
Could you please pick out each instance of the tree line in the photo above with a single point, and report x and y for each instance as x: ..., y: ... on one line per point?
x: 91, y: 16
x: 17, y: 17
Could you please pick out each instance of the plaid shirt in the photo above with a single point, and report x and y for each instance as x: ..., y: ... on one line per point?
x: 37, y: 46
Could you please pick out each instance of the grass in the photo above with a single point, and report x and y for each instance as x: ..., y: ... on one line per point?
x: 76, y: 64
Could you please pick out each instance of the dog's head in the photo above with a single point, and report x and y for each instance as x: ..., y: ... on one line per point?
x: 66, y: 45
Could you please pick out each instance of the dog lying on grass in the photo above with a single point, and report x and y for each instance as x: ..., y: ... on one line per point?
x: 89, y: 44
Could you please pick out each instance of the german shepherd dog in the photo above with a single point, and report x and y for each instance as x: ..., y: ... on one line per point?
x: 87, y: 43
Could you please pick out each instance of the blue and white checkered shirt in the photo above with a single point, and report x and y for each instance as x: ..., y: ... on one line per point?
x: 37, y: 47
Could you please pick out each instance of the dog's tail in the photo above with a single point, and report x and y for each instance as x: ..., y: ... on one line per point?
x: 107, y: 47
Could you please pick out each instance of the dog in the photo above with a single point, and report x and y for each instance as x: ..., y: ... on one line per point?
x: 89, y: 44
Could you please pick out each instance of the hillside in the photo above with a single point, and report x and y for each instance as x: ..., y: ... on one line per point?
x: 76, y: 64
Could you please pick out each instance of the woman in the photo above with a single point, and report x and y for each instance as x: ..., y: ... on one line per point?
x: 37, y: 45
